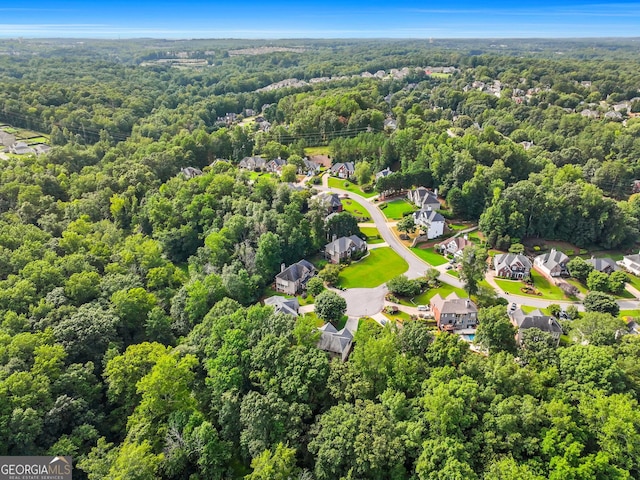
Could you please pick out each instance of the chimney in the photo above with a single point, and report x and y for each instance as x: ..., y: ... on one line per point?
x: 435, y: 192
x: 334, y: 237
x: 282, y: 267
x: 428, y: 208
x: 465, y: 236
x: 468, y: 303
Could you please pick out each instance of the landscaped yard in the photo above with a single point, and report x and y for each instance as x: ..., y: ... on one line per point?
x: 355, y: 208
x: 634, y: 281
x: 319, y: 322
x: 630, y: 313
x: 381, y: 265
x: 444, y: 290
x: 430, y: 256
x: 373, y: 235
x: 395, y: 209
x: 548, y: 291
x: 340, y: 183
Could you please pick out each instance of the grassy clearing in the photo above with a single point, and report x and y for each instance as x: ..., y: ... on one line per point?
x: 399, y: 315
x: 430, y: 256
x: 548, y: 291
x: 355, y: 209
x: 381, y: 265
x: 440, y: 75
x: 630, y: 313
x: 321, y: 150
x: 395, y: 209
x: 373, y: 235
x: 444, y: 290
x: 349, y: 186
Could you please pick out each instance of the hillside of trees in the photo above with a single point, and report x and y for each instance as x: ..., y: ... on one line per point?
x: 131, y: 336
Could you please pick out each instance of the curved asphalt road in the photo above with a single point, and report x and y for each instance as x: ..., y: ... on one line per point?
x: 365, y: 301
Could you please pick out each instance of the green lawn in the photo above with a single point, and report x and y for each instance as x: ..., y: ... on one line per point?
x: 548, y: 291
x: 340, y: 183
x: 529, y: 309
x: 430, y: 256
x: 444, y: 290
x: 381, y: 265
x: 353, y: 207
x: 440, y: 75
x: 319, y: 322
x: 373, y: 235
x: 633, y: 280
x: 576, y: 283
x: 630, y: 313
x: 395, y: 209
x: 454, y: 273
x: 321, y: 150
x: 403, y: 316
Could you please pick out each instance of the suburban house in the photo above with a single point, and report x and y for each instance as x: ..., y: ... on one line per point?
x: 605, y: 265
x: 552, y: 264
x: 512, y: 265
x: 330, y: 201
x: 21, y: 148
x: 424, y: 199
x: 390, y: 124
x: 281, y: 304
x: 310, y: 168
x: 383, y: 173
x: 191, y: 172
x: 455, y: 246
x: 430, y: 221
x: 536, y: 319
x: 275, y: 165
x: 344, y: 248
x: 293, y: 279
x: 631, y: 263
x: 337, y: 342
x: 343, y: 170
x: 454, y: 313
x: 253, y: 163
x: 41, y: 148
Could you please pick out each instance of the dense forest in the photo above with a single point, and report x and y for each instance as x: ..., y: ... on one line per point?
x: 131, y: 336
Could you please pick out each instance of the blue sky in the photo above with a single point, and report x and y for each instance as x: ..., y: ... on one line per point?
x: 319, y: 19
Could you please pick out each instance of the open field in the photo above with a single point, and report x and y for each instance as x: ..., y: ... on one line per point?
x: 343, y: 184
x: 430, y: 256
x: 395, y: 209
x: 381, y: 265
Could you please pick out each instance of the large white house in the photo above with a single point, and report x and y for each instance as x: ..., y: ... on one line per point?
x: 631, y: 263
x: 430, y: 221
x: 552, y: 264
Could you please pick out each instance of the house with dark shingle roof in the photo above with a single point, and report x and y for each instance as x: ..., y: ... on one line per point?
x: 294, y: 278
x: 191, y: 172
x: 343, y: 170
x: 605, y: 265
x: 552, y: 264
x: 275, y: 165
x: 512, y: 265
x: 454, y: 313
x: 330, y: 201
x: 337, y: 342
x: 383, y: 173
x: 281, y: 304
x: 430, y: 221
x: 344, y: 248
x: 631, y: 263
x: 253, y: 163
x: 536, y: 319
x: 424, y: 199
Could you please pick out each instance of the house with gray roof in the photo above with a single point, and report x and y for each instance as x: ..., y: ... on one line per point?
x: 455, y: 246
x: 605, y: 265
x: 512, y: 265
x: 424, y: 199
x: 330, y: 201
x: 253, y: 163
x: 552, y: 263
x: 294, y: 278
x: 631, y: 263
x: 343, y: 170
x: 344, y: 248
x: 430, y: 221
x: 310, y: 168
x: 383, y: 173
x: 281, y: 304
x: 536, y: 319
x: 21, y: 148
x: 337, y: 343
x: 275, y: 165
x: 191, y: 172
x: 454, y: 313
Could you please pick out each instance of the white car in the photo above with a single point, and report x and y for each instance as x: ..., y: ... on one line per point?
x: 423, y: 308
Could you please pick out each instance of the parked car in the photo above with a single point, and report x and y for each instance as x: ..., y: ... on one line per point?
x: 423, y: 308
x: 513, y: 307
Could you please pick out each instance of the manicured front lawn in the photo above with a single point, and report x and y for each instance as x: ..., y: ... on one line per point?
x: 630, y: 313
x: 381, y: 265
x: 395, y: 209
x: 453, y: 273
x: 577, y: 284
x: 548, y: 291
x: 444, y: 290
x: 430, y: 256
x: 355, y: 209
x: 349, y: 186
x: 634, y: 281
x: 403, y: 316
x: 373, y: 235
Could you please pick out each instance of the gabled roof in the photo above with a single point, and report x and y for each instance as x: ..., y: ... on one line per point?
x: 282, y: 304
x: 329, y: 199
x: 344, y: 244
x: 348, y: 166
x: 453, y: 304
x: 536, y: 319
x: 296, y: 271
x: 552, y: 259
x: 601, y: 264
x: 191, y: 172
x: 383, y: 173
x: 334, y: 341
x: 252, y: 162
x: 510, y: 259
x: 460, y: 244
x: 428, y: 216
